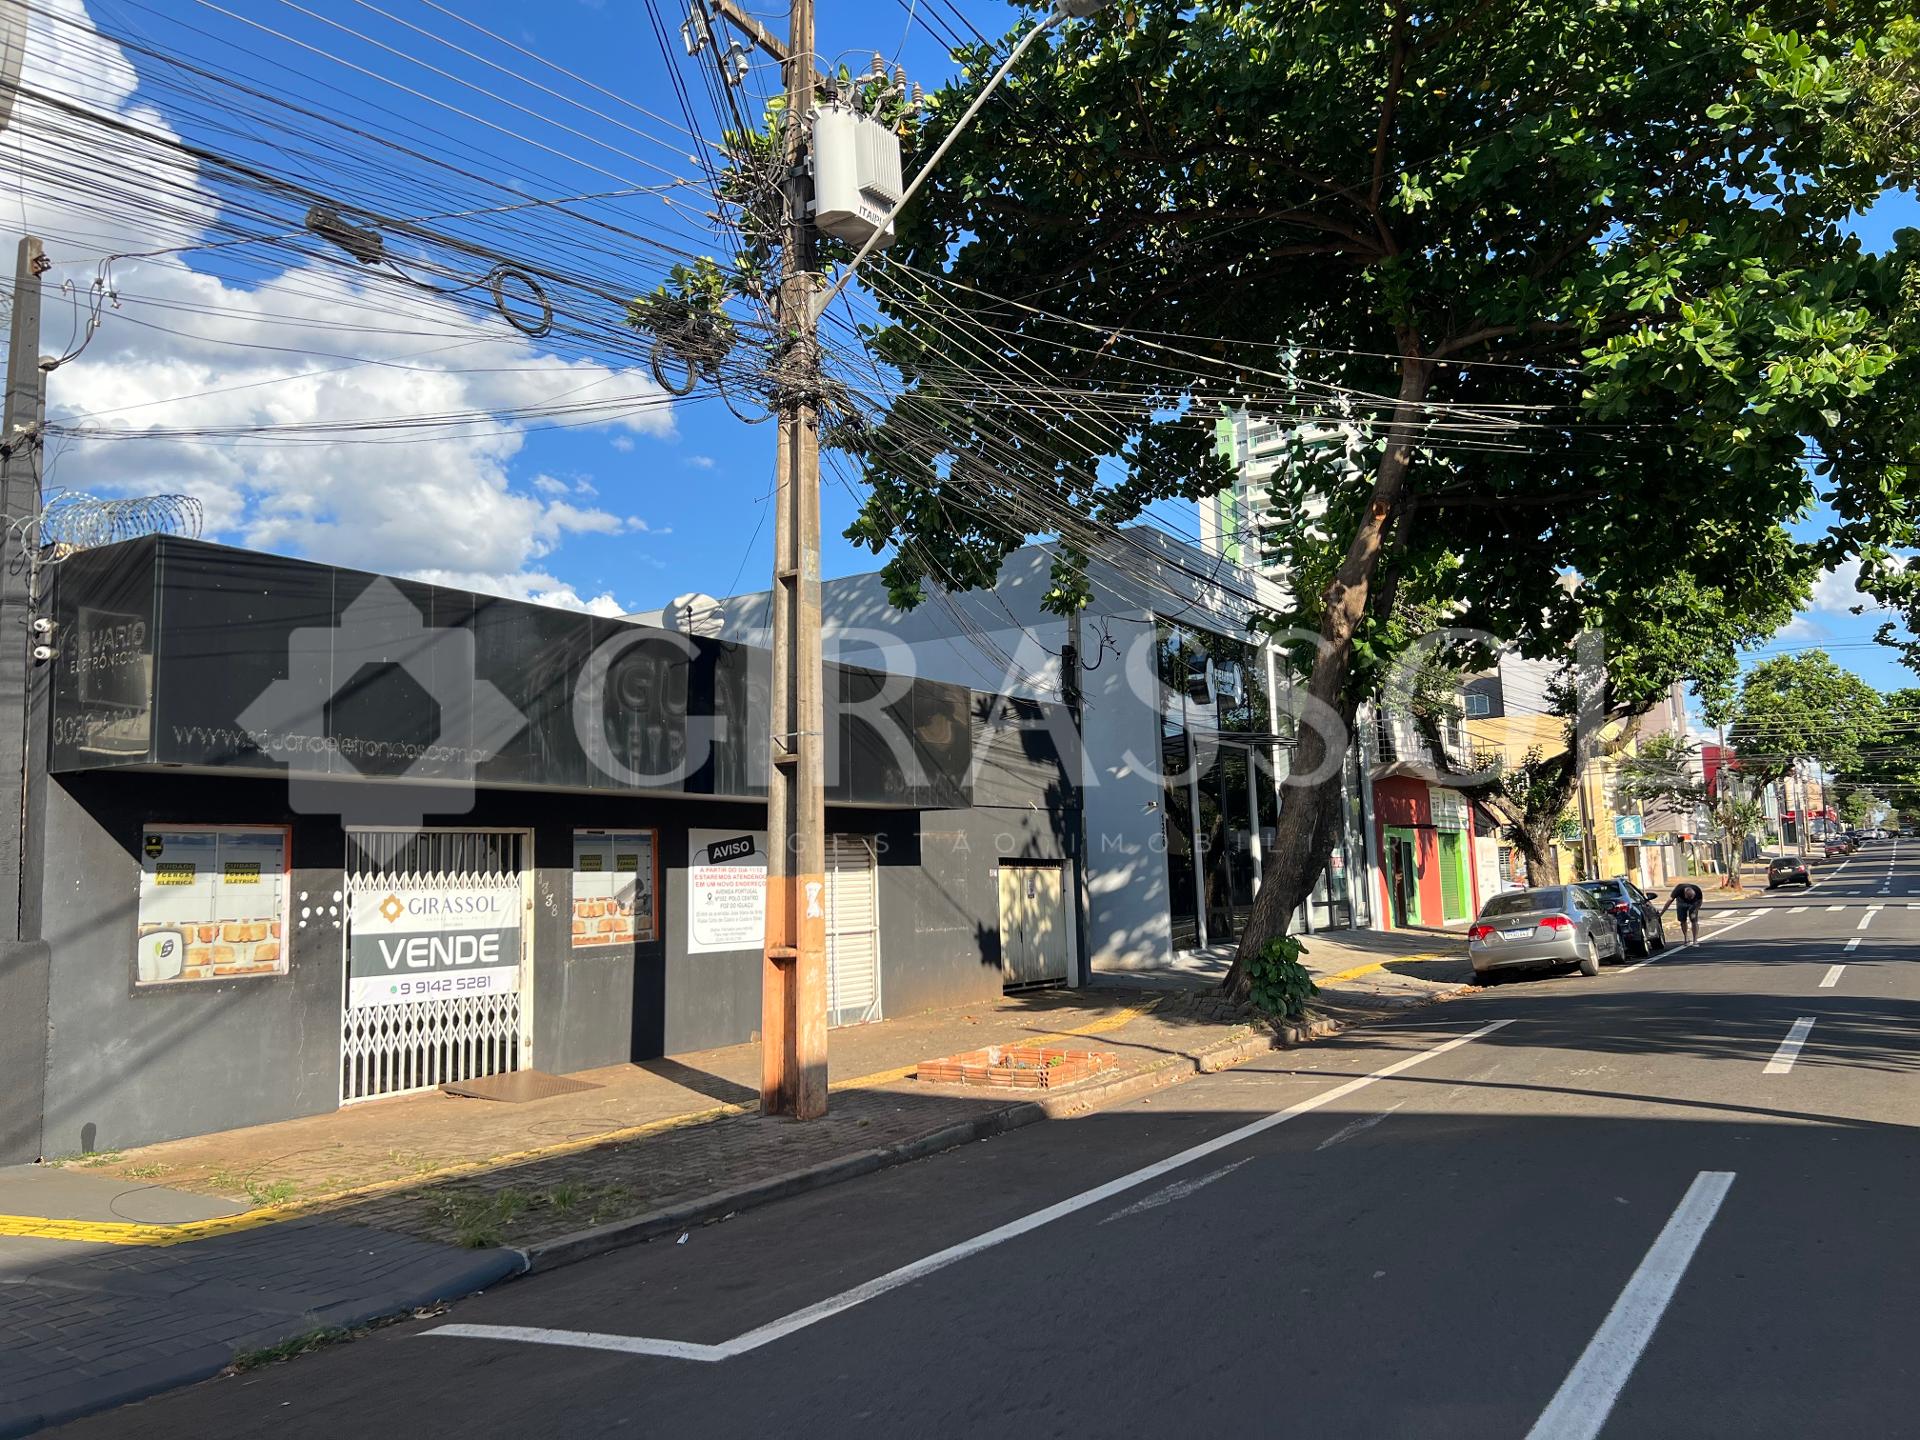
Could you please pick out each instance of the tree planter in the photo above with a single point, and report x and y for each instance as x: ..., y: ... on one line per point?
x: 1016, y: 1067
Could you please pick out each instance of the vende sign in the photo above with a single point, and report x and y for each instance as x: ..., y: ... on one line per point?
x: 435, y: 943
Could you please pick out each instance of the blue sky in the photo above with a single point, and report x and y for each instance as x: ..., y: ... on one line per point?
x: 623, y: 515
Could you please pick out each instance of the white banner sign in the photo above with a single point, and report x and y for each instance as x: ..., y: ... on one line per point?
x: 726, y: 891
x: 410, y: 945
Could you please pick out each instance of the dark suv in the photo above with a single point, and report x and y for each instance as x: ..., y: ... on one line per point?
x: 1788, y: 870
x: 1635, y: 915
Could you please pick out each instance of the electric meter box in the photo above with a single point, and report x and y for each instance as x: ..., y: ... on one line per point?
x: 856, y: 175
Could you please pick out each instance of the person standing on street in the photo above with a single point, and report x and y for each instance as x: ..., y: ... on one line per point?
x: 1689, y: 897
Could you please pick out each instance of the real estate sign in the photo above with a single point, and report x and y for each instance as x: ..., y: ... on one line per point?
x: 437, y: 942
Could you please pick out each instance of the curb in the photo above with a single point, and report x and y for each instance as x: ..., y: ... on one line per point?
x: 637, y: 1230
x: 479, y: 1270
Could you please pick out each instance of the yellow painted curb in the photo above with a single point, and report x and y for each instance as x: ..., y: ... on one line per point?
x: 1359, y: 970
x: 121, y: 1232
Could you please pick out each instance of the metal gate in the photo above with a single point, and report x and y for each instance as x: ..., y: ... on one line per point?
x: 853, y: 931
x: 468, y: 1011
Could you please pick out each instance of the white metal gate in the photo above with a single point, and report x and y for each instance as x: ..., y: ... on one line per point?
x: 395, y: 1048
x: 853, y: 931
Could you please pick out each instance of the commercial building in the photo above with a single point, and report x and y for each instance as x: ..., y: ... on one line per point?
x: 1183, y: 719
x: 306, y: 836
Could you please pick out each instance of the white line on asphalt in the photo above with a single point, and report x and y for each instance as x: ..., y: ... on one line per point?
x: 1673, y: 950
x: 1832, y: 977
x: 1853, y: 944
x: 1796, y: 910
x: 940, y: 1260
x: 1865, y: 920
x: 1789, y: 1050
x: 1181, y: 1189
x: 1586, y: 1397
x: 1347, y: 1132
x: 1832, y: 908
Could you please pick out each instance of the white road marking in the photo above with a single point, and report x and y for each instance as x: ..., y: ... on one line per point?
x: 953, y: 1254
x: 1865, y: 920
x: 1832, y: 908
x: 1347, y: 1132
x: 1853, y: 944
x: 1832, y: 977
x: 1789, y: 1050
x: 1181, y: 1189
x: 1796, y: 910
x: 1586, y: 1397
x: 1672, y: 950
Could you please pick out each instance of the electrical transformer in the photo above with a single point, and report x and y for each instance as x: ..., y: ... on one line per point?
x: 856, y: 175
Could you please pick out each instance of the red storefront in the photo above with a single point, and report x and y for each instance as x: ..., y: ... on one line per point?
x: 1424, y: 838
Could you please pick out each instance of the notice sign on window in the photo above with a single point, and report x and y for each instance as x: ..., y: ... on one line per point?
x: 613, y: 893
x: 726, y: 891
x: 212, y: 904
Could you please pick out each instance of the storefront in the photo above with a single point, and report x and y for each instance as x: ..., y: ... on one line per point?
x: 1429, y: 868
x: 312, y: 837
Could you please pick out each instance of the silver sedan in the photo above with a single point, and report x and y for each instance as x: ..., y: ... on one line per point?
x: 1546, y: 928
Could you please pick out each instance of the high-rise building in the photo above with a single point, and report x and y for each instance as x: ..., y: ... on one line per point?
x: 1272, y: 493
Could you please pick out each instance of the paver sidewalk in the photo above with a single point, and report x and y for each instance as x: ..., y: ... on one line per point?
x: 127, y: 1273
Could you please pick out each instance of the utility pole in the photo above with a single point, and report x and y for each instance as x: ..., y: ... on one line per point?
x: 793, y: 983
x: 20, y: 442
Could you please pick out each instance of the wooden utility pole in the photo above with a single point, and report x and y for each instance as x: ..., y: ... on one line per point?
x: 20, y: 445
x: 793, y: 986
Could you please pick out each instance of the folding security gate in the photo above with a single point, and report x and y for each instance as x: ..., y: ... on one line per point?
x: 853, y: 931
x: 438, y: 975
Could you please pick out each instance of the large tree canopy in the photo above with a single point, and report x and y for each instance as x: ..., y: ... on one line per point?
x: 1578, y: 273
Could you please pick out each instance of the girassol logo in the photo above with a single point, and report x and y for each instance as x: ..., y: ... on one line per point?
x: 391, y: 909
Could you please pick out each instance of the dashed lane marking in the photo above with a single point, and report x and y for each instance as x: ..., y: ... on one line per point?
x: 1832, y: 977
x: 1789, y: 1050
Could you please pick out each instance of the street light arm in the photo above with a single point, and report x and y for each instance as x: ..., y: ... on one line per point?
x: 966, y: 117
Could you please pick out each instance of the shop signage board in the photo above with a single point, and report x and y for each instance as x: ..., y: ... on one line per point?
x: 409, y: 945
x: 726, y: 891
x: 212, y: 904
x: 1629, y: 827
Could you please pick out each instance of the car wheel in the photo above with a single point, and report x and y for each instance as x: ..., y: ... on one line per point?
x: 1640, y: 946
x: 1660, y: 935
x: 1590, y: 962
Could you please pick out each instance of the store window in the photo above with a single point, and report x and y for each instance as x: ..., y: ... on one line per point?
x: 213, y: 903
x: 615, y: 887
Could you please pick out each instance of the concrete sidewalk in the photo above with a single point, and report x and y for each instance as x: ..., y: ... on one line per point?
x: 122, y: 1274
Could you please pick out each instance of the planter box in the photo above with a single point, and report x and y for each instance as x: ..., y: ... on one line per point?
x: 1017, y: 1067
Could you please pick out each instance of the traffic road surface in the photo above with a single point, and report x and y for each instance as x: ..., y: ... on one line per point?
x: 1675, y: 1200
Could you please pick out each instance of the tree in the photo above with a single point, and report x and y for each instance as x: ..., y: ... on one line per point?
x: 1567, y: 262
x: 1796, y: 708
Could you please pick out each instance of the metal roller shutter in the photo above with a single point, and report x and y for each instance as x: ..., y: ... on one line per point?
x: 853, y: 931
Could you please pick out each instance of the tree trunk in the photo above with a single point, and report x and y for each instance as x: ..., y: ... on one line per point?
x: 1294, y: 864
x: 1543, y: 856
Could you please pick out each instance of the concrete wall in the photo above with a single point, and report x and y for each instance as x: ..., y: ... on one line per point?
x: 1005, y: 642
x: 122, y: 1065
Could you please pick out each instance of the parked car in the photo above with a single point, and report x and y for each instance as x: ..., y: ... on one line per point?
x: 1635, y: 913
x: 1545, y: 928
x: 1788, y: 870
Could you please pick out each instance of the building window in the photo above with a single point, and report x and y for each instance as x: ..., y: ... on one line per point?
x: 1476, y: 706
x: 213, y: 903
x: 615, y: 887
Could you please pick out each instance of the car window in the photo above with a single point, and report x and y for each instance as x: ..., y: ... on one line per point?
x: 1517, y: 902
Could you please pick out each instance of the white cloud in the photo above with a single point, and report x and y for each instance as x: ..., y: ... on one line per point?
x: 1837, y: 591
x: 195, y: 352
x: 700, y: 462
x: 530, y: 585
x: 622, y: 443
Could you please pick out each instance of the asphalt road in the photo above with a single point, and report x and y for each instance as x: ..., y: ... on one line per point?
x: 1624, y: 1206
